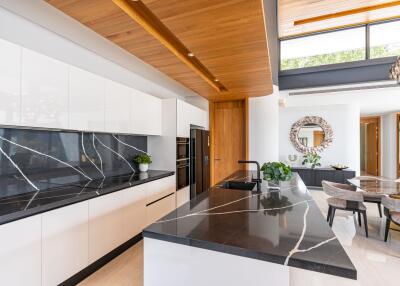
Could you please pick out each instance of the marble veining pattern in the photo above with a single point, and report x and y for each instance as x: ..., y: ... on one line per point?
x: 116, y: 153
x: 282, y: 226
x: 41, y: 167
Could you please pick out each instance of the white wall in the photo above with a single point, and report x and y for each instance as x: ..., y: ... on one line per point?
x: 388, y: 146
x: 264, y: 128
x: 345, y: 122
x: 163, y: 148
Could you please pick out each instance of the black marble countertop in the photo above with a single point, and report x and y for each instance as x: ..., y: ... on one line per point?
x: 281, y: 226
x: 19, y: 199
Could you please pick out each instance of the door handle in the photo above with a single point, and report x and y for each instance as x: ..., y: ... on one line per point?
x: 217, y: 159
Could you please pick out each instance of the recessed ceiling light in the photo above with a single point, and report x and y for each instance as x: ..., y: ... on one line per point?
x: 190, y: 54
x: 216, y: 80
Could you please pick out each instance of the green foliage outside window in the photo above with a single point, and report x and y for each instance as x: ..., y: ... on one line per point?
x: 338, y: 57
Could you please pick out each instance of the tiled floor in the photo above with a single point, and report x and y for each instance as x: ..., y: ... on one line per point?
x: 377, y: 262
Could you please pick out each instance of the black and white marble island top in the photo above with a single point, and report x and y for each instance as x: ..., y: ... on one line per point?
x: 281, y: 226
x: 19, y: 199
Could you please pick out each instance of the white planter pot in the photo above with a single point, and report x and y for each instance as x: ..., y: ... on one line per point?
x: 143, y: 167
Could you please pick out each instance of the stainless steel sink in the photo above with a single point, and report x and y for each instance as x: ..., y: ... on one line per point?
x: 248, y: 186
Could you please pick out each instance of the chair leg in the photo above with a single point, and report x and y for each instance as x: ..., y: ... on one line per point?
x: 329, y: 213
x: 332, y: 216
x: 365, y: 222
x: 387, y: 228
x: 380, y: 209
x: 359, y: 218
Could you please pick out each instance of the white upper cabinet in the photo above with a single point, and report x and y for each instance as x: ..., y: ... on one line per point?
x: 64, y: 243
x: 44, y: 91
x: 118, y: 108
x: 20, y: 252
x: 87, y: 100
x: 146, y: 114
x: 10, y: 83
x: 188, y: 114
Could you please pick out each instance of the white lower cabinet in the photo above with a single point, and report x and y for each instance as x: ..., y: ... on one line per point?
x: 160, y: 208
x: 64, y: 243
x: 160, y: 188
x: 133, y: 211
x: 20, y: 252
x: 105, y: 225
x: 182, y: 196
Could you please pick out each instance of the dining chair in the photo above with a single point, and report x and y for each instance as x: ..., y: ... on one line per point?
x: 392, y: 212
x: 372, y: 198
x: 344, y: 197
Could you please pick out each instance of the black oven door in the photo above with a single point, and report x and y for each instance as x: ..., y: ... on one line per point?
x: 182, y: 174
x: 182, y: 148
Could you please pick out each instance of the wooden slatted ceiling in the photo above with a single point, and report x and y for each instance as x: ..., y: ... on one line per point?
x: 227, y: 36
x: 290, y: 11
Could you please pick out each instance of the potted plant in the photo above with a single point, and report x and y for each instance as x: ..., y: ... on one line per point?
x: 143, y: 160
x: 276, y: 171
x: 311, y: 159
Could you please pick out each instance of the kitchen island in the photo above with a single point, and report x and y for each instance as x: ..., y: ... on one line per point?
x: 244, y: 237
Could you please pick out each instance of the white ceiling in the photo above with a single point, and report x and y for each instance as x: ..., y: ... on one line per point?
x: 372, y: 101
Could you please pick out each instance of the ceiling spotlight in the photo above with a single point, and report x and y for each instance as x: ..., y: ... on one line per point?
x: 216, y: 80
x: 191, y: 55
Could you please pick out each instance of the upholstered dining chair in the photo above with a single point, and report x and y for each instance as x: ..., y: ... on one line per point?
x: 392, y: 212
x: 345, y: 197
x: 373, y: 198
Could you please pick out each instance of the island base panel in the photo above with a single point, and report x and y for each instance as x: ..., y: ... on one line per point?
x: 172, y: 264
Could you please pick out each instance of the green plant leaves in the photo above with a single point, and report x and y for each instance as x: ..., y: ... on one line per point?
x: 276, y: 171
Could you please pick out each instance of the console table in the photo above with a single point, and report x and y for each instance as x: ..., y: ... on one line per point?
x: 314, y: 177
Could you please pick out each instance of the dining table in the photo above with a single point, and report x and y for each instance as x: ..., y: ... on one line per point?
x: 376, y: 185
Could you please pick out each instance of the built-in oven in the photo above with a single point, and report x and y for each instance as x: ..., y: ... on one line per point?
x: 182, y: 148
x: 182, y: 173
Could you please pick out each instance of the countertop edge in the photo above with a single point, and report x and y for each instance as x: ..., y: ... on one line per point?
x: 63, y: 203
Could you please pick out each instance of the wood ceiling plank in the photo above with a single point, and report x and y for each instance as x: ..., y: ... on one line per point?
x: 290, y: 11
x: 227, y: 36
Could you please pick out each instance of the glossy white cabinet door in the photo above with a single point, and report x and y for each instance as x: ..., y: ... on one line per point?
x: 105, y: 225
x: 146, y: 114
x: 87, y: 100
x: 10, y: 83
x: 64, y: 243
x: 160, y: 188
x: 44, y: 91
x: 133, y: 211
x: 118, y: 108
x: 20, y: 252
x: 160, y: 208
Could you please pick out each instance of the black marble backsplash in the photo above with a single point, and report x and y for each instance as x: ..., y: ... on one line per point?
x: 30, y: 158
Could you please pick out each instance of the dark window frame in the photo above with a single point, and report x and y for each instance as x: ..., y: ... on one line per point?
x: 346, y: 64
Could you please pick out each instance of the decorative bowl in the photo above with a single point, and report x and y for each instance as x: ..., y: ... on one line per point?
x: 339, y: 167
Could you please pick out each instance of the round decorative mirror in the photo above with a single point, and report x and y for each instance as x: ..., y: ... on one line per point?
x: 311, y: 134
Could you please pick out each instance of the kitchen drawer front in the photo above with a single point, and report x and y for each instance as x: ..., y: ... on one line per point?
x: 160, y: 208
x: 158, y: 189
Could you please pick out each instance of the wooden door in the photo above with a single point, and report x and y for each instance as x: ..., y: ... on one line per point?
x: 318, y: 137
x: 228, y: 138
x: 372, y: 145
